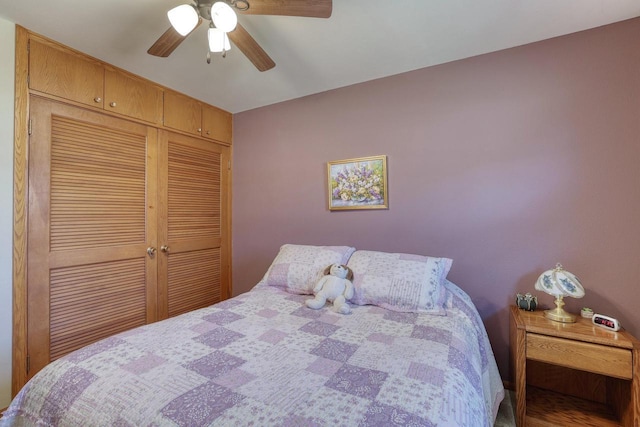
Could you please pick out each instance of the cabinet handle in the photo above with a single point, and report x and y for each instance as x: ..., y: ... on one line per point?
x: 113, y: 104
x: 208, y: 132
x: 151, y: 251
x: 164, y: 248
x: 199, y: 130
x: 97, y: 99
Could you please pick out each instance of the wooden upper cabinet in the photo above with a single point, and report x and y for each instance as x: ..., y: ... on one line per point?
x: 93, y: 185
x: 125, y: 94
x: 65, y: 74
x: 62, y: 72
x: 193, y: 187
x: 69, y: 75
x: 182, y: 113
x: 192, y: 116
x: 216, y: 124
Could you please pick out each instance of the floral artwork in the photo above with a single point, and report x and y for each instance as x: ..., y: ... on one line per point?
x: 358, y: 183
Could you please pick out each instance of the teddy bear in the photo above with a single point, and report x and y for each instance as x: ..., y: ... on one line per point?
x: 334, y: 286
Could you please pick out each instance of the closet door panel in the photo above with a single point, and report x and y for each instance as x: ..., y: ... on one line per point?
x: 194, y: 278
x: 91, y: 218
x: 193, y: 191
x: 97, y: 186
x: 193, y: 272
x: 89, y: 302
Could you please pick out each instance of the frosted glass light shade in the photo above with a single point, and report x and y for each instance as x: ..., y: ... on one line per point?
x: 223, y: 17
x: 560, y: 283
x: 183, y: 18
x: 218, y: 40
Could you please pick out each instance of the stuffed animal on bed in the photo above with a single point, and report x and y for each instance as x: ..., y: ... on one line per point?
x: 334, y: 286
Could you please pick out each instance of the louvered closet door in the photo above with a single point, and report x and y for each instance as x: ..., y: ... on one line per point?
x: 92, y: 215
x: 193, y: 191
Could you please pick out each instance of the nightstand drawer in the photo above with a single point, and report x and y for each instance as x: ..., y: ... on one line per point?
x: 611, y: 361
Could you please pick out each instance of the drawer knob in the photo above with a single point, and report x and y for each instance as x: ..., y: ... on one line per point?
x: 97, y: 99
x: 112, y: 104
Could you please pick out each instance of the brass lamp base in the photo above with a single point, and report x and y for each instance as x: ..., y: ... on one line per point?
x: 558, y: 314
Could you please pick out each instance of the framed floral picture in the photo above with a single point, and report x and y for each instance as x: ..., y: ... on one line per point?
x: 358, y: 183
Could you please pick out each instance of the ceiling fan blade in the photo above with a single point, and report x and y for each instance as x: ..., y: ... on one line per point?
x: 252, y: 50
x: 168, y: 42
x: 310, y: 8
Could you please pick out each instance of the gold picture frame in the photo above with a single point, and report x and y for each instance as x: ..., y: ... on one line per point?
x: 359, y: 183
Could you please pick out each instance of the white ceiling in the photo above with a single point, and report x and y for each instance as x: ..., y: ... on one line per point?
x: 363, y: 40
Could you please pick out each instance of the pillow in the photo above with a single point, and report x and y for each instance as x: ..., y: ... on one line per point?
x: 400, y: 282
x: 297, y: 268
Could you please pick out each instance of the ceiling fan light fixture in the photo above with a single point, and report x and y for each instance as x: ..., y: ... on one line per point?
x: 183, y: 18
x: 218, y: 40
x: 223, y: 17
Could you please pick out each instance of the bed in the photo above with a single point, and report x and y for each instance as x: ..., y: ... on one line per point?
x: 264, y: 358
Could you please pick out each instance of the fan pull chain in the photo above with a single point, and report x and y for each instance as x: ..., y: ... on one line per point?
x: 224, y: 55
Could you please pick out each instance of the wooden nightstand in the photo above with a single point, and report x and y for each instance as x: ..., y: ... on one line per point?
x: 573, y: 374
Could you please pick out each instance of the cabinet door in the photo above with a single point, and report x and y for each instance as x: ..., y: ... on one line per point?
x: 132, y: 97
x: 91, y: 219
x: 65, y: 74
x: 194, y: 205
x: 182, y: 113
x: 216, y: 124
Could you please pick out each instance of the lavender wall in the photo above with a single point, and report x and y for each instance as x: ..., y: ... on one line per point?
x: 508, y: 163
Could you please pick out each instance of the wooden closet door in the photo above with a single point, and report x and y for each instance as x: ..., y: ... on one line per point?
x: 194, y: 224
x: 92, y: 216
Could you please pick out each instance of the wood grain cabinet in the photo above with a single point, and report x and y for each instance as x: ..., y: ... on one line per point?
x: 182, y: 113
x: 132, y: 97
x: 61, y: 72
x: 573, y: 373
x: 189, y: 115
x: 124, y: 203
x: 129, y: 226
x: 216, y: 124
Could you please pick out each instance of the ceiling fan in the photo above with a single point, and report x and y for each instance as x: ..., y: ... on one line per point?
x: 224, y: 24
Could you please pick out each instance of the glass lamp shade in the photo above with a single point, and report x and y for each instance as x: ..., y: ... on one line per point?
x: 218, y: 40
x: 183, y: 18
x: 223, y: 17
x: 559, y: 283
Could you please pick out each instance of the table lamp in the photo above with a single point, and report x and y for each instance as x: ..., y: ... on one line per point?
x: 560, y: 283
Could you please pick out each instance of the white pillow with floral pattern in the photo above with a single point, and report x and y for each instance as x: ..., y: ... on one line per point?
x: 297, y: 268
x: 400, y: 282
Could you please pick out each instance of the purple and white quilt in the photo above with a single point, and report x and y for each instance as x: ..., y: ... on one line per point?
x: 265, y: 359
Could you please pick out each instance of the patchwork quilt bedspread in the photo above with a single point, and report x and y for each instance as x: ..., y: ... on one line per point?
x: 265, y: 359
